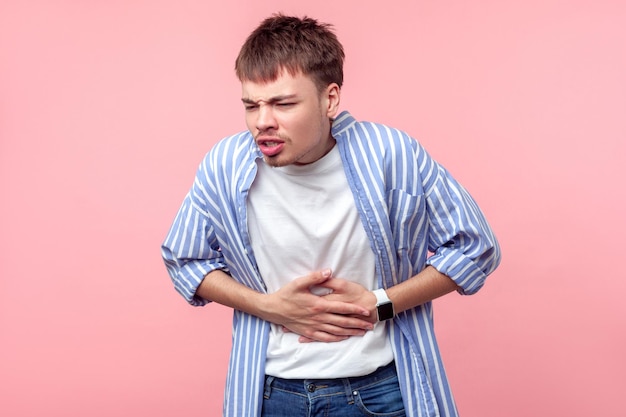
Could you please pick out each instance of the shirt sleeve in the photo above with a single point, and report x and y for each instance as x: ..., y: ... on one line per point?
x: 191, y: 250
x: 463, y: 244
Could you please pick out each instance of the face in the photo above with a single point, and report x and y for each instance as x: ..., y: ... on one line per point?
x: 290, y: 119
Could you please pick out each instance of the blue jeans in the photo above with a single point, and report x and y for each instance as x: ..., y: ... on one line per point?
x: 377, y: 394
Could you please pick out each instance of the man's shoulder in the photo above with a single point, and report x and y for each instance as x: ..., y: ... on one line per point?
x: 375, y: 139
x: 346, y: 125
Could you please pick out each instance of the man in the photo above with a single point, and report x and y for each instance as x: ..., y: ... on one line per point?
x: 329, y: 238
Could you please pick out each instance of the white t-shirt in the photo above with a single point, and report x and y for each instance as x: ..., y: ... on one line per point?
x: 303, y: 219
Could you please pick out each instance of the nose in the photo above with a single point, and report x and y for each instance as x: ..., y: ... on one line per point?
x: 265, y: 119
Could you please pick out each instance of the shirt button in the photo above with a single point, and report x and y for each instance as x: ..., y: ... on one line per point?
x: 310, y: 387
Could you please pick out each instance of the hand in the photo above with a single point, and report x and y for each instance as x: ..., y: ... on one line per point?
x: 351, y: 292
x: 342, y: 290
x: 318, y: 318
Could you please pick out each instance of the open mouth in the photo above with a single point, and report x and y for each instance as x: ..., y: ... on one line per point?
x: 270, y: 146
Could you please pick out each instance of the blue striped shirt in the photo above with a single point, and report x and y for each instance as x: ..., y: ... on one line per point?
x: 414, y: 213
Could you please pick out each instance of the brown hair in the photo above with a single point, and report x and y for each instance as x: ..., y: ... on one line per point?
x: 294, y: 44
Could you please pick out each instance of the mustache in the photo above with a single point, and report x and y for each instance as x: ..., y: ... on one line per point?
x: 271, y: 133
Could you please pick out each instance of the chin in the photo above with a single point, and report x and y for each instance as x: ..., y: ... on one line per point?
x: 275, y: 161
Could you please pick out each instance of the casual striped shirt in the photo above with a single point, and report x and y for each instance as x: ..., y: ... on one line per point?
x: 414, y: 213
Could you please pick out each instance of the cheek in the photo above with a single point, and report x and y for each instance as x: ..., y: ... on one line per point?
x: 305, y: 126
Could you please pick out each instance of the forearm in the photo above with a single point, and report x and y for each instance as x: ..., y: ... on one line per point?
x: 221, y: 288
x: 292, y: 306
x: 426, y: 286
x: 421, y: 288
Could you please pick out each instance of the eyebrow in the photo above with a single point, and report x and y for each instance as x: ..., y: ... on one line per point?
x: 272, y: 100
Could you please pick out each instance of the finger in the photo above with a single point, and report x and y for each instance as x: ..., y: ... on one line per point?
x: 333, y: 334
x: 329, y: 336
x: 346, y: 309
x: 322, y: 337
x: 333, y: 283
x: 319, y: 336
x: 314, y: 278
x: 338, y: 325
x: 348, y: 325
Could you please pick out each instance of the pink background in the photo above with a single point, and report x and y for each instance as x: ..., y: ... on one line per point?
x: 107, y: 107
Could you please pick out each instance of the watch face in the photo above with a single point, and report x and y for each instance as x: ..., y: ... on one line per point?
x: 385, y: 311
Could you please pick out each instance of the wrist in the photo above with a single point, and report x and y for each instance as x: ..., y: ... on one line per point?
x: 263, y: 306
x: 384, y: 306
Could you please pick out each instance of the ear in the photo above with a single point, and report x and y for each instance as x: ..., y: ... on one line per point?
x: 333, y: 97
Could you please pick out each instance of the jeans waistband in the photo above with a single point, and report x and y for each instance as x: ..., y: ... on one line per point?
x: 325, y: 387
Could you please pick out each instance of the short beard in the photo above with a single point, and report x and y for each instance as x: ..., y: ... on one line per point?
x: 274, y: 161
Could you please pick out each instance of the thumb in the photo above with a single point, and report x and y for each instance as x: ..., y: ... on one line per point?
x: 316, y: 277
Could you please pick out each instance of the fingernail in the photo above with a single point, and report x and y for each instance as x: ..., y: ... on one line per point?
x: 326, y: 273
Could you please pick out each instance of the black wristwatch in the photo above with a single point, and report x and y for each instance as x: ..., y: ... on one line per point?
x: 384, y: 306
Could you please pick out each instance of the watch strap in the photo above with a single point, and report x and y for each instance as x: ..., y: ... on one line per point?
x: 384, y: 306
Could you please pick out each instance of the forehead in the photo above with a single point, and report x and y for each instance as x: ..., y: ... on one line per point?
x: 285, y: 84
